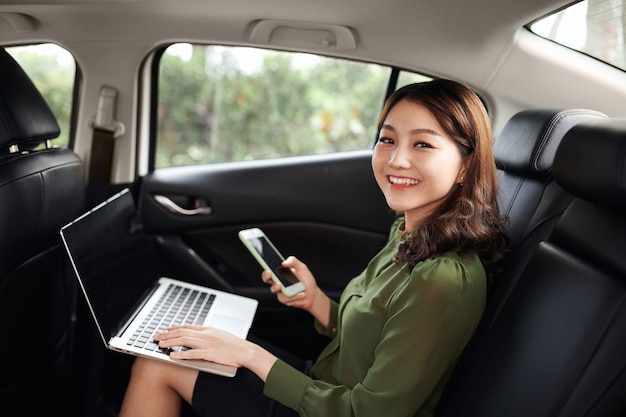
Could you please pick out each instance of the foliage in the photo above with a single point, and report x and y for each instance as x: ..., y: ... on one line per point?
x: 228, y: 104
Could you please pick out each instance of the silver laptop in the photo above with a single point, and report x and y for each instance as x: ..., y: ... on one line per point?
x: 116, y: 267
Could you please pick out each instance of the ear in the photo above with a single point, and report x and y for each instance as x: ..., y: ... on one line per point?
x: 462, y: 176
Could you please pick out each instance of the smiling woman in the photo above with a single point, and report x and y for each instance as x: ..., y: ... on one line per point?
x: 416, y: 163
x: 406, y: 318
x: 434, y: 157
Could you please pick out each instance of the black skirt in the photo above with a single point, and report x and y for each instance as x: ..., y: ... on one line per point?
x: 242, y: 395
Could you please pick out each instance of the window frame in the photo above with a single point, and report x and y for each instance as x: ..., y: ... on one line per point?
x: 392, y: 85
x: 556, y: 12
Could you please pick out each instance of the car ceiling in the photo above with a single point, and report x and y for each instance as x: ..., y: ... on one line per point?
x: 416, y: 27
x: 480, y: 42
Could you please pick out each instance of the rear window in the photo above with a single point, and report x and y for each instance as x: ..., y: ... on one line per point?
x: 53, y: 71
x: 593, y: 27
x: 223, y: 104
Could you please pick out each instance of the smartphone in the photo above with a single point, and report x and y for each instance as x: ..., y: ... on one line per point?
x: 270, y: 259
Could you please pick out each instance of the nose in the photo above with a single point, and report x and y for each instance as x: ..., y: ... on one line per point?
x: 398, y: 159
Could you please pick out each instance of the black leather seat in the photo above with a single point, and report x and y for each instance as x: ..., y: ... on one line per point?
x: 524, y: 153
x: 556, y: 347
x: 528, y: 194
x: 40, y: 191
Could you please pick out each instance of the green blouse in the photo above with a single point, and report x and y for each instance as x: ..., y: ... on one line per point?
x: 396, y: 337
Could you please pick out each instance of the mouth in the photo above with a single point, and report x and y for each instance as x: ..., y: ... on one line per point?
x: 404, y: 181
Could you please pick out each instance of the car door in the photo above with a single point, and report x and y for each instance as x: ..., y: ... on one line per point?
x: 326, y: 210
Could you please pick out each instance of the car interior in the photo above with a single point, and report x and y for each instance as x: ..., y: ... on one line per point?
x: 551, y: 338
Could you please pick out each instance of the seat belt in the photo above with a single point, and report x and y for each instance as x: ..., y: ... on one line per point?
x: 105, y: 130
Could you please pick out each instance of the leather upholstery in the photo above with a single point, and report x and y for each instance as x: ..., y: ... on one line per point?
x: 40, y: 191
x: 597, y: 175
x: 25, y: 118
x: 555, y: 347
x: 524, y: 153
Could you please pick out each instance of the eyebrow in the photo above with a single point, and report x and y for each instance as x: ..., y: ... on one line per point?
x: 414, y: 131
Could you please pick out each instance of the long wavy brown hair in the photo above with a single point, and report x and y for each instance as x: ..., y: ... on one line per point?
x: 468, y: 220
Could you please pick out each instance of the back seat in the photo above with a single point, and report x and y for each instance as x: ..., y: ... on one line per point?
x: 528, y: 195
x: 554, y: 346
x: 524, y: 153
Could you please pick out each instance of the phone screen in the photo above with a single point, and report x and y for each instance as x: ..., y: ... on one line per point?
x: 273, y: 260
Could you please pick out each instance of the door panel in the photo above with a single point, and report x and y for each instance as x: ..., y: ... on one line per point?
x: 333, y: 189
x: 326, y: 210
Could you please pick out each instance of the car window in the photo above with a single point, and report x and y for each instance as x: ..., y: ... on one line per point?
x: 222, y: 104
x: 53, y: 71
x: 593, y: 27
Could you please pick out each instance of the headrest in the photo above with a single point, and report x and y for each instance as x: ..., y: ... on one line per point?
x: 25, y: 118
x: 591, y: 162
x: 528, y: 142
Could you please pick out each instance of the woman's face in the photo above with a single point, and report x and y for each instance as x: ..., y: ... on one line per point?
x: 415, y: 162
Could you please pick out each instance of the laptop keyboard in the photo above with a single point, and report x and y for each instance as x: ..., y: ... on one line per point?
x: 177, y: 306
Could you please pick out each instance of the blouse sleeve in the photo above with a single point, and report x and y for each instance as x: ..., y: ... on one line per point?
x: 430, y: 319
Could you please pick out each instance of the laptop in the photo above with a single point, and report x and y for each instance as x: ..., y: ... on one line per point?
x: 115, y: 264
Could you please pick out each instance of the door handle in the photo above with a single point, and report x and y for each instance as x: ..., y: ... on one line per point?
x: 172, y: 207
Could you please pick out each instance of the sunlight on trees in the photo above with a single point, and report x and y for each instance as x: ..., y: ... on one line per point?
x: 220, y: 104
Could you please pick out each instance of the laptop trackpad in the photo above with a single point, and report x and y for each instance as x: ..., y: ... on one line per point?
x: 230, y: 324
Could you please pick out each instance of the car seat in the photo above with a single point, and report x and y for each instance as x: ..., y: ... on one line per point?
x: 524, y: 153
x: 41, y: 189
x: 555, y: 347
x: 528, y: 196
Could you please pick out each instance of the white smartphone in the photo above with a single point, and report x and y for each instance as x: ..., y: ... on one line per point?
x: 270, y: 259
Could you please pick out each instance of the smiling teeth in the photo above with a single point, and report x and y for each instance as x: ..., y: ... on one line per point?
x: 403, y: 181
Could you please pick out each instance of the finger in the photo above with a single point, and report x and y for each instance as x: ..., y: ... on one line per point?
x: 187, y: 341
x: 290, y: 262
x: 199, y: 354
x: 187, y: 326
x: 173, y: 338
x: 189, y: 354
x: 178, y: 331
x: 266, y: 276
x: 294, y: 301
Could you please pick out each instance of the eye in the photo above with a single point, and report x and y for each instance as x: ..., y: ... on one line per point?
x: 385, y: 140
x: 420, y: 144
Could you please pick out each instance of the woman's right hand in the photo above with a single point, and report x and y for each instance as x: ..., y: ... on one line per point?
x: 312, y: 299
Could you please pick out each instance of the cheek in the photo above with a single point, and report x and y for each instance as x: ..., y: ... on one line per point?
x: 445, y: 170
x: 379, y: 161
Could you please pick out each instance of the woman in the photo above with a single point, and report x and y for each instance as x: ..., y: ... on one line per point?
x: 402, y: 324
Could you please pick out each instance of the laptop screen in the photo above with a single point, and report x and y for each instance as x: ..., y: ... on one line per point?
x: 113, y: 260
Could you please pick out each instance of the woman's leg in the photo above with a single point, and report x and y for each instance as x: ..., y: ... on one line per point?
x: 156, y: 388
